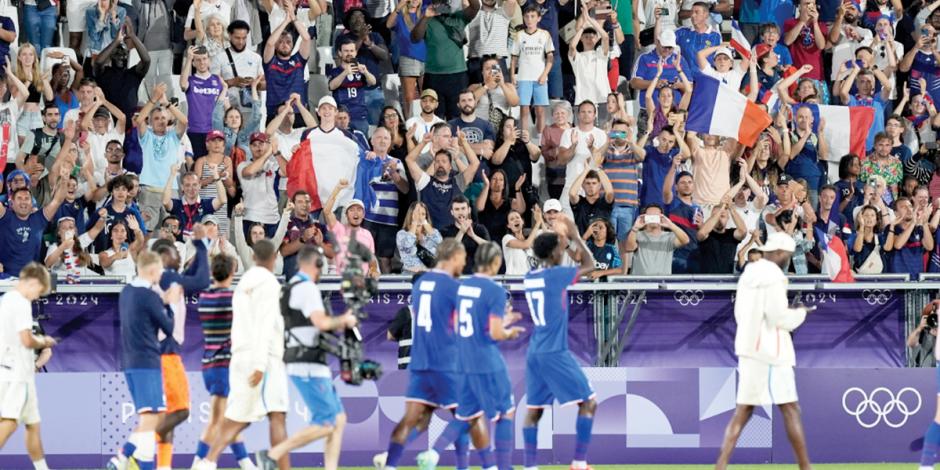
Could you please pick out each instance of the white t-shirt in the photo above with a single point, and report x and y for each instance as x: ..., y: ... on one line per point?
x: 9, y: 143
x: 59, y: 269
x: 590, y: 72
x: 306, y: 297
x: 247, y: 64
x: 423, y: 127
x: 286, y: 143
x: 731, y: 78
x: 258, y: 192
x: 16, y: 360
x: 531, y: 50
x: 99, y: 143
x: 121, y: 267
x: 516, y: 259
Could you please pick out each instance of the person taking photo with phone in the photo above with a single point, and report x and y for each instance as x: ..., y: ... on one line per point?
x: 653, y: 245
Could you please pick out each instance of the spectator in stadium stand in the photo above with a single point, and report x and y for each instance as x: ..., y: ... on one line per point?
x: 371, y: 51
x: 257, y: 177
x: 808, y: 153
x: 881, y: 163
x: 21, y: 227
x: 517, y: 242
x: 846, y: 35
x: 69, y: 256
x: 445, y: 69
x: 380, y: 184
x: 421, y: 124
x: 118, y: 207
x: 120, y: 84
x: 440, y: 187
x: 590, y: 64
x: 103, y: 22
x: 343, y: 120
x: 534, y: 52
x: 718, y: 239
x: 660, y: 156
x: 417, y: 240
x: 244, y: 243
x: 549, y: 142
x: 442, y: 138
x: 284, y: 70
x: 243, y: 66
x: 712, y: 163
x: 238, y: 127
x: 866, y: 96
x: 348, y: 81
x: 870, y: 242
x: 412, y: 55
x: 303, y: 229
x: 688, y: 215
x: 597, y: 200
x: 479, y: 132
x: 577, y: 145
x: 700, y: 35
x: 912, y: 238
x: 647, y: 69
x: 101, y: 129
x: 203, y: 90
x: 923, y: 340
x: 207, y: 8
x: 281, y: 130
x: 402, y: 139
x: 190, y: 208
x: 806, y: 37
x: 654, y: 246
x: 465, y: 230
x: 600, y: 239
x: 160, y: 146
x: 515, y: 154
x: 349, y: 227
x: 495, y: 97
x: 486, y: 35
x: 494, y: 203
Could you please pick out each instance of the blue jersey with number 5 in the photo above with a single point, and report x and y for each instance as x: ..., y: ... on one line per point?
x: 478, y: 299
x: 546, y: 292
x: 433, y: 301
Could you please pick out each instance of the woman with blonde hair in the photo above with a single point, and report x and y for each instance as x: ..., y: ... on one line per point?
x: 27, y: 70
x: 417, y: 241
x: 210, y: 33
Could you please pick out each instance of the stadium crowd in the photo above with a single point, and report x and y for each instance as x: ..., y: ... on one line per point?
x: 399, y: 125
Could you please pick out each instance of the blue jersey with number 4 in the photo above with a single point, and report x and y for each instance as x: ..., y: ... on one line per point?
x: 433, y: 301
x: 546, y: 291
x: 479, y: 299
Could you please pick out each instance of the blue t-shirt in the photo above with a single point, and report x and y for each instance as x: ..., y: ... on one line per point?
x: 433, y: 301
x: 478, y: 300
x: 21, y: 240
x: 283, y: 77
x: 189, y: 214
x: 843, y: 188
x: 690, y: 42
x: 65, y: 106
x: 75, y: 210
x: 477, y: 131
x: 605, y: 257
x: 406, y: 47
x: 684, y: 259
x: 910, y: 258
x: 201, y: 97
x: 350, y: 93
x: 925, y: 66
x: 546, y: 291
x: 655, y: 167
x: 646, y: 66
x: 806, y: 165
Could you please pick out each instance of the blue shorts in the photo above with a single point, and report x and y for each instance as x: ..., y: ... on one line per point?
x: 432, y: 387
x: 321, y: 399
x: 622, y: 217
x: 146, y: 387
x: 485, y: 394
x: 216, y: 380
x: 551, y: 376
x: 531, y: 93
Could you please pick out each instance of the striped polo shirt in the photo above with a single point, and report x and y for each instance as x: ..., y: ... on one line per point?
x: 385, y: 210
x: 215, y: 314
x: 624, y: 173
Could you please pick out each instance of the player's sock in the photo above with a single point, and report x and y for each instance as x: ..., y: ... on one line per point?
x: 202, y: 449
x: 486, y: 457
x: 503, y: 434
x: 462, y: 451
x: 40, y: 465
x: 164, y: 455
x: 451, y: 433
x: 931, y: 443
x: 129, y: 447
x: 530, y: 435
x: 146, y: 447
x: 583, y: 429
x: 394, y: 455
x: 241, y: 454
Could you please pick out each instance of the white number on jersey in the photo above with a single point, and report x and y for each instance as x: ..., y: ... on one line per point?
x: 536, y: 301
x: 465, y: 320
x: 424, y: 312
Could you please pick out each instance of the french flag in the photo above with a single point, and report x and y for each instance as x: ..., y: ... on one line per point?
x: 835, y: 262
x: 718, y: 109
x: 846, y: 127
x: 739, y: 42
x: 302, y: 175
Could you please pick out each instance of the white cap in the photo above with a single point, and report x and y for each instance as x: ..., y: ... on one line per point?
x: 667, y: 38
x: 779, y: 241
x: 726, y: 51
x: 327, y: 99
x: 551, y: 205
x: 355, y: 202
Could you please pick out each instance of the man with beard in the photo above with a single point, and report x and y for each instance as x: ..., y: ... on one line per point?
x: 44, y: 142
x: 372, y: 51
x: 465, y: 230
x: 101, y: 129
x: 21, y: 228
x: 685, y: 213
x: 114, y: 155
x: 119, y: 83
x: 422, y: 124
x: 439, y: 190
x: 848, y: 33
x: 718, y: 241
x: 302, y: 229
x: 354, y: 213
x: 241, y: 66
x: 283, y: 71
x: 348, y: 81
x: 442, y: 138
x: 479, y: 131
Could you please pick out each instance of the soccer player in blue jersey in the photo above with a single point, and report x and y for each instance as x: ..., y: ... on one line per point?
x: 551, y: 370
x: 483, y: 319
x: 433, y: 380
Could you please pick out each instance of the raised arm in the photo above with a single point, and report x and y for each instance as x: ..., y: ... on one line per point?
x: 168, y: 188
x: 328, y: 214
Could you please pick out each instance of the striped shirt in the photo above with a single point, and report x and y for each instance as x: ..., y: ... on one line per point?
x: 385, y: 210
x: 215, y: 314
x: 624, y: 173
x: 488, y: 34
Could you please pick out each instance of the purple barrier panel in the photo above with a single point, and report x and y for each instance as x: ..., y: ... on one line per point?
x: 861, y: 415
x: 695, y: 328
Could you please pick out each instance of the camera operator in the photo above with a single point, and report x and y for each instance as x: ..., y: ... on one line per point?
x: 924, y: 338
x: 307, y: 313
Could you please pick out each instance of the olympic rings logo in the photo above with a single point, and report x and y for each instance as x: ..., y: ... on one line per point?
x: 877, y: 296
x: 689, y: 297
x: 881, y: 405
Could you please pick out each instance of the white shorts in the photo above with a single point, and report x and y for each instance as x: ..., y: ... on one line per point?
x: 760, y: 383
x: 76, y: 15
x: 18, y: 402
x: 247, y: 404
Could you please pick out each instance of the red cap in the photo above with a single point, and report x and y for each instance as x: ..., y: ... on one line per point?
x: 215, y: 134
x: 762, y: 49
x: 258, y: 137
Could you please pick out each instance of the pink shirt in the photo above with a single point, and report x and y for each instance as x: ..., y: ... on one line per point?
x: 342, y: 232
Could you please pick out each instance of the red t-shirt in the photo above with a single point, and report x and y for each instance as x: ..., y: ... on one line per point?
x: 804, y: 50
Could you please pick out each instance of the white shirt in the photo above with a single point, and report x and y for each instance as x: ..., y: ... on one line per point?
x: 581, y: 152
x: 306, y: 297
x: 531, y: 50
x: 16, y: 360
x: 423, y: 126
x: 731, y: 78
x: 258, y: 193
x: 257, y: 324
x: 844, y: 50
x: 335, y: 157
x: 286, y: 144
x: 99, y: 143
x: 764, y: 319
x: 517, y: 259
x: 590, y: 72
x: 121, y: 267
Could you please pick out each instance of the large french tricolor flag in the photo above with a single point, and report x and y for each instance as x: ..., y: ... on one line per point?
x: 846, y: 127
x: 835, y: 262
x: 739, y: 42
x: 718, y: 109
x: 302, y: 176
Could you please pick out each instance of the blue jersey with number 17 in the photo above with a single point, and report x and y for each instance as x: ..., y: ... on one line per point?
x: 433, y: 301
x: 478, y: 299
x: 546, y: 291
